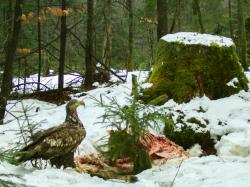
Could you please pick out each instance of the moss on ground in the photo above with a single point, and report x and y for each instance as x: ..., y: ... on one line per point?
x: 185, y: 71
x: 187, y: 137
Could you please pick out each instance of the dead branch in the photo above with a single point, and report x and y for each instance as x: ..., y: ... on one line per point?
x: 22, y: 84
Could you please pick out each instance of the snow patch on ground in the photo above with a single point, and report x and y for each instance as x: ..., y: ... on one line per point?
x: 195, y: 151
x: 193, y: 38
x: 236, y: 143
x: 50, y: 82
x: 233, y: 82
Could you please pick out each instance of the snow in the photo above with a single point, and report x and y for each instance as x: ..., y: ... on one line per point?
x: 236, y: 143
x: 193, y: 38
x: 233, y: 82
x: 228, y: 117
x: 146, y: 85
x: 195, y: 150
x: 47, y: 82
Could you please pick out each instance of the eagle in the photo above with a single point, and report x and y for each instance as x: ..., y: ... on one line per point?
x: 59, y: 143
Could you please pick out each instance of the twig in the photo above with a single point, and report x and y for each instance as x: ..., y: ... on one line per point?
x: 177, y: 173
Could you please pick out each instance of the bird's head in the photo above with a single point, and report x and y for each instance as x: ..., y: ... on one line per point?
x: 73, y: 104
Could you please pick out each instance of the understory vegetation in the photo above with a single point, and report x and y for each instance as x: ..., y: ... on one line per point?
x: 129, y: 124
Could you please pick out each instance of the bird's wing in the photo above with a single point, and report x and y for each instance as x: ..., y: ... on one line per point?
x: 66, y: 136
x: 43, y: 133
x: 54, y: 142
x: 53, y: 134
x: 39, y: 136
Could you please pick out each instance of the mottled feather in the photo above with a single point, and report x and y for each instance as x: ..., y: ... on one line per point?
x: 57, y: 142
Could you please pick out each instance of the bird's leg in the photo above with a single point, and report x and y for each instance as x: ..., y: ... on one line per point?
x: 66, y: 160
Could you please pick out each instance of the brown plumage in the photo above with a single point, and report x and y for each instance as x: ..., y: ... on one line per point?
x: 58, y: 144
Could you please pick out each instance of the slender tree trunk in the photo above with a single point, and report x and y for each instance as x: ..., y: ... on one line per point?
x: 9, y: 60
x: 39, y: 45
x: 8, y: 18
x: 150, y: 40
x: 247, y: 23
x: 107, y: 41
x: 176, y: 17
x: 130, y: 65
x: 151, y: 30
x: 3, y: 18
x: 19, y: 74
x: 242, y: 34
x: 197, y: 11
x: 162, y: 17
x: 25, y: 75
x: 89, y: 61
x: 230, y: 18
x: 63, y: 39
x: 4, y: 21
x: 179, y: 15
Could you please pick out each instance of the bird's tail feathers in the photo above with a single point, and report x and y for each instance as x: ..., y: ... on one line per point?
x: 15, y: 157
x: 24, y: 156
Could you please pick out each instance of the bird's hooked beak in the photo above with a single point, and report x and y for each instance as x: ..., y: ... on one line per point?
x: 81, y: 103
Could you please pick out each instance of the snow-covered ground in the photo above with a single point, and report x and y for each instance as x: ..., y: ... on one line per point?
x: 51, y: 82
x: 228, y: 117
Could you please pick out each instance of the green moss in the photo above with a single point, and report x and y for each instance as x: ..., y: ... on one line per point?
x: 185, y: 71
x: 213, y: 44
x: 197, y: 122
x: 187, y: 137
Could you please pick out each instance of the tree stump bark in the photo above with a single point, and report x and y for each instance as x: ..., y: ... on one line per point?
x: 192, y: 64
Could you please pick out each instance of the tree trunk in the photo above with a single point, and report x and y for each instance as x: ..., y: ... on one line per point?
x: 150, y: 40
x: 107, y: 41
x: 179, y: 15
x: 247, y: 23
x: 230, y: 18
x: 89, y: 61
x: 242, y: 35
x: 130, y: 65
x: 39, y: 45
x: 8, y: 19
x: 25, y: 75
x: 9, y: 60
x: 162, y: 16
x: 176, y: 17
x: 197, y: 11
x: 63, y: 39
x: 151, y: 30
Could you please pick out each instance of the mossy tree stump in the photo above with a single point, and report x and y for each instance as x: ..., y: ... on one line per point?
x: 192, y: 64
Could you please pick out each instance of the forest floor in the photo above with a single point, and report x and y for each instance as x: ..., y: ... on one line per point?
x: 228, y: 117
